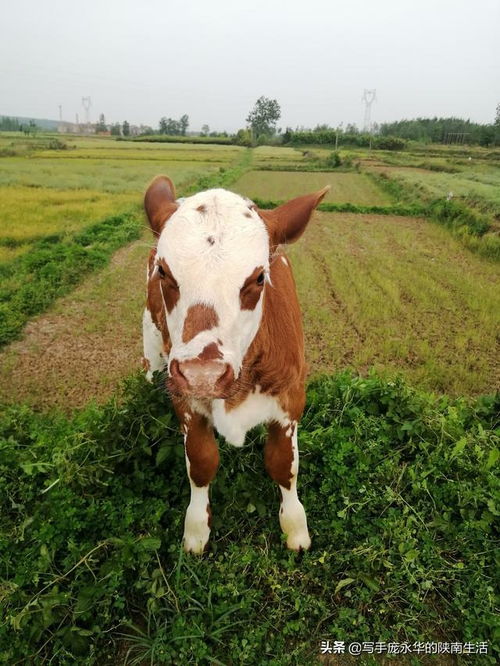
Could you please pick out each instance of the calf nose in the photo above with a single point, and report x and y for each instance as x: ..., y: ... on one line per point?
x: 200, y: 378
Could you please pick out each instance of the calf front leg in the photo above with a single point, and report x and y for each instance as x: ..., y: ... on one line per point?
x: 281, y: 455
x: 202, y: 460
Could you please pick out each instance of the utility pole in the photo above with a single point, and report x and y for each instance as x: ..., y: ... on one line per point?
x: 369, y: 96
x: 87, y: 103
x: 339, y: 127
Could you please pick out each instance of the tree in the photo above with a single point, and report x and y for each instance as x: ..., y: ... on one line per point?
x: 205, y: 130
x: 101, y: 125
x: 126, y: 128
x: 183, y: 124
x: 264, y: 116
x: 497, y: 116
x: 116, y: 130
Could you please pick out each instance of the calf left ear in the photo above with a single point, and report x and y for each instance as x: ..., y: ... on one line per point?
x: 159, y: 202
x: 287, y: 222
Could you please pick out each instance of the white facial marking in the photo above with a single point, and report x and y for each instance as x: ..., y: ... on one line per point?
x: 211, y: 254
x: 196, y: 529
x: 284, y: 260
x: 292, y: 516
x: 256, y: 408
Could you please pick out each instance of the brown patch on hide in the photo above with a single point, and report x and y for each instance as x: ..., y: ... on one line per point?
x: 199, y: 318
x: 201, y: 208
x: 209, y: 512
x: 251, y: 290
x: 146, y: 364
x: 201, y: 450
x: 210, y: 353
x: 275, y: 359
x: 278, y: 454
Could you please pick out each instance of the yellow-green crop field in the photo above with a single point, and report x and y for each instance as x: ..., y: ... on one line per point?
x: 280, y: 185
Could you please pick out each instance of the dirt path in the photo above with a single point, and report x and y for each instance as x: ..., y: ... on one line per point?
x: 81, y: 348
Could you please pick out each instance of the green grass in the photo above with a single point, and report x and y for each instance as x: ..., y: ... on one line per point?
x: 401, y: 500
x: 477, y: 186
x: 345, y: 187
x: 398, y: 294
x: 53, y: 266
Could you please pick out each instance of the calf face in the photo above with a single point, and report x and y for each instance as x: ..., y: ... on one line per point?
x: 207, y: 309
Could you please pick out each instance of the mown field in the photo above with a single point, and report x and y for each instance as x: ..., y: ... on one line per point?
x: 399, y: 443
x: 280, y: 185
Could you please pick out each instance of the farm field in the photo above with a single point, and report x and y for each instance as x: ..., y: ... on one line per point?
x: 345, y: 187
x: 398, y: 442
x: 479, y: 185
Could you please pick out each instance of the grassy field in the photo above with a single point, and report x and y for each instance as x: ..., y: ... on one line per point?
x: 398, y: 294
x: 399, y: 484
x: 478, y: 185
x: 345, y: 187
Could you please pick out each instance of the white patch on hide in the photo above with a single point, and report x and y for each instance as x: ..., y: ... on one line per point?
x: 153, y: 345
x: 255, y: 409
x: 211, y: 254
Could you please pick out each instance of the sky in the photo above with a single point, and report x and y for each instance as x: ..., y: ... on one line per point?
x: 141, y: 60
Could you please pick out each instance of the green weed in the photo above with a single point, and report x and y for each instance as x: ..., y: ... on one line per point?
x: 401, y: 497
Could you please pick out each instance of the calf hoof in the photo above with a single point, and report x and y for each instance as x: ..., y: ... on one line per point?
x: 194, y: 545
x: 196, y: 534
x: 299, y: 541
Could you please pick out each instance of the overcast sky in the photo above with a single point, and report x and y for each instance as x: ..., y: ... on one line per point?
x: 212, y: 59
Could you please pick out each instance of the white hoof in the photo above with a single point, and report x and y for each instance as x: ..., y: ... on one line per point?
x: 299, y: 541
x: 196, y: 532
x: 194, y: 545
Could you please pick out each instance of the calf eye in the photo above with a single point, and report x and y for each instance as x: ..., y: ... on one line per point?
x: 260, y: 279
x: 161, y: 270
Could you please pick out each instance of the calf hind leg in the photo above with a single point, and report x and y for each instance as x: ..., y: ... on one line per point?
x: 281, y: 456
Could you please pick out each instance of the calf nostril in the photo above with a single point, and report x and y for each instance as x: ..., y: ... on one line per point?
x: 227, y: 376
x: 175, y: 370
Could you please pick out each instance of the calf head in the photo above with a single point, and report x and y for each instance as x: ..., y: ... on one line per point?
x: 207, y: 279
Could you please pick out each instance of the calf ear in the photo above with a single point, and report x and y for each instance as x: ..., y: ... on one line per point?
x: 287, y: 222
x: 159, y: 202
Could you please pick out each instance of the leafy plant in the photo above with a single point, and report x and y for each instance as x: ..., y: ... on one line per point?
x: 401, y: 497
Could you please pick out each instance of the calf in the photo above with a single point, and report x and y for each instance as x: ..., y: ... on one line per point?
x: 222, y: 318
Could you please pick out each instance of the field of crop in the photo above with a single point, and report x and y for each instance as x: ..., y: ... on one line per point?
x: 345, y: 187
x: 399, y: 484
x: 479, y: 185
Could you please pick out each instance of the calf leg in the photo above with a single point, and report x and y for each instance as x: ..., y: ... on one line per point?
x: 202, y: 460
x: 281, y: 457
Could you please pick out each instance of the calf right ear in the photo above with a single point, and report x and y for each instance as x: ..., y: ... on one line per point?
x: 159, y: 202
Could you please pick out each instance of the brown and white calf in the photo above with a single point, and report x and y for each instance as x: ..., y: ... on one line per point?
x: 223, y: 320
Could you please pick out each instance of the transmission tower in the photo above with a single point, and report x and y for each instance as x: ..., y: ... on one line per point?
x: 369, y: 96
x: 87, y: 103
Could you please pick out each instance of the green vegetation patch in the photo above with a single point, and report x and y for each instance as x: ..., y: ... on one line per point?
x: 351, y: 188
x: 401, y: 499
x: 53, y: 265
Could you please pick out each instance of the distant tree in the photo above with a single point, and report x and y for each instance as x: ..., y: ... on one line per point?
x: 183, y: 124
x: 205, y: 130
x: 174, y: 127
x: 497, y: 116
x: 126, y: 128
x: 116, y: 129
x: 264, y: 116
x: 101, y: 125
